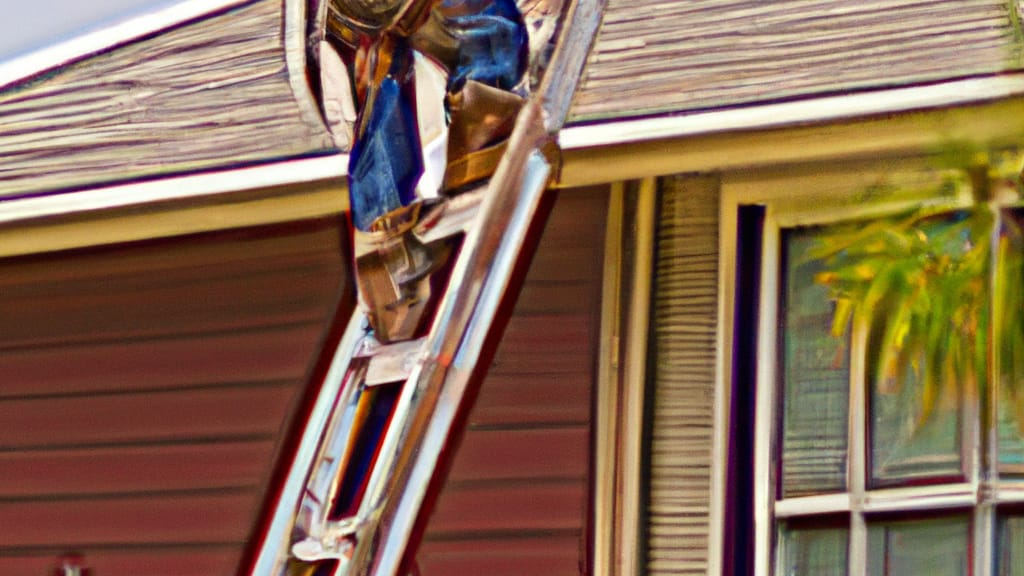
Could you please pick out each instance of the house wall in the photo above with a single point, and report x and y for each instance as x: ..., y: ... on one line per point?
x: 516, y: 500
x: 145, y: 389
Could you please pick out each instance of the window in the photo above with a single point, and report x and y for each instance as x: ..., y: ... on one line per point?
x: 888, y: 372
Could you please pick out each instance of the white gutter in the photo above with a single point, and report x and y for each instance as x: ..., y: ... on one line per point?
x: 800, y: 112
x: 302, y: 170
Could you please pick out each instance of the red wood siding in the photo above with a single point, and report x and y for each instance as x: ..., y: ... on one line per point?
x: 515, y: 501
x: 144, y: 389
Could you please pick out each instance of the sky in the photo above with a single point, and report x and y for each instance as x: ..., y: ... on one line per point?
x: 28, y: 26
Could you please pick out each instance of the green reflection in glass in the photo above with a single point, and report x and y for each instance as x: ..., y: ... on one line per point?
x: 936, y: 547
x: 816, y: 378
x: 818, y: 551
x: 1010, y: 555
x: 1011, y: 441
x: 1009, y: 303
x: 902, y: 447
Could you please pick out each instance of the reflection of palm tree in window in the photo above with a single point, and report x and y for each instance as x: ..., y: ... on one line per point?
x: 921, y: 285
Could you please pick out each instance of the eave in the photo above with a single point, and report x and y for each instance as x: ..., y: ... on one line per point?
x: 898, y: 122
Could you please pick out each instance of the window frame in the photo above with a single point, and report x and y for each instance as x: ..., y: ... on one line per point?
x: 746, y: 144
x: 838, y: 193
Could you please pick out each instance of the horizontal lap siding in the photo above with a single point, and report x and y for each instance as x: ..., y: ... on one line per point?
x: 553, y: 397
x: 145, y: 388
x: 684, y: 330
x: 211, y: 517
x: 253, y: 356
x: 149, y: 417
x: 552, y: 554
x: 209, y: 93
x: 667, y: 56
x: 539, y: 452
x: 171, y: 467
x: 171, y: 561
x: 515, y: 501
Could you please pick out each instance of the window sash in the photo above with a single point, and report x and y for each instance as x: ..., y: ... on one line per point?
x: 782, y: 212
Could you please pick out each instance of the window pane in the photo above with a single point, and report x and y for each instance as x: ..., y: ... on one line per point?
x: 1010, y: 331
x: 903, y: 447
x: 937, y: 547
x: 816, y: 378
x: 1011, y: 546
x: 928, y: 346
x: 819, y: 551
x: 1011, y: 440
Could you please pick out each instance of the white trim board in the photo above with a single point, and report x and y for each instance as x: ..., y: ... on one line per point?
x: 806, y: 111
x: 332, y: 167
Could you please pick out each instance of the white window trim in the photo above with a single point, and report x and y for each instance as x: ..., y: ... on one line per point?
x: 749, y: 145
x: 840, y: 201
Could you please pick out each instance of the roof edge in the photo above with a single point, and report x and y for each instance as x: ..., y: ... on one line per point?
x: 200, y: 185
x: 793, y: 113
x: 32, y: 64
x: 280, y: 192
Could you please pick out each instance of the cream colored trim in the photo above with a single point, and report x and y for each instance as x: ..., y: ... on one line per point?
x: 247, y: 208
x: 764, y: 470
x: 50, y: 57
x: 735, y: 147
x: 727, y: 230
x: 622, y: 375
x: 608, y: 383
x: 856, y: 447
x: 634, y: 370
